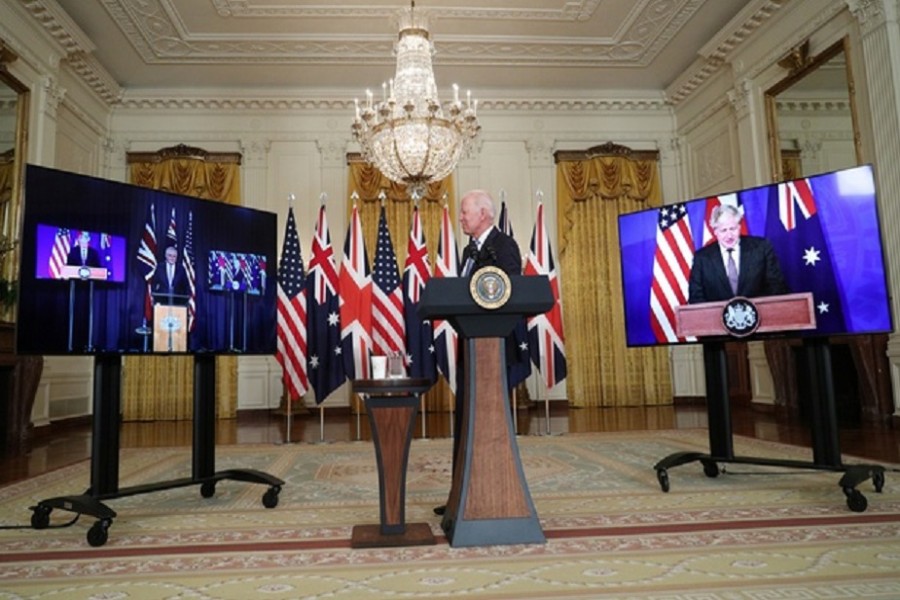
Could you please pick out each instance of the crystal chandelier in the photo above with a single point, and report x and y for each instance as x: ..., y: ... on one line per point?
x: 407, y: 135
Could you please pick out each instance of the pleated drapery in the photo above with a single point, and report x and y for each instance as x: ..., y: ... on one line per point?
x: 593, y: 188
x: 161, y: 387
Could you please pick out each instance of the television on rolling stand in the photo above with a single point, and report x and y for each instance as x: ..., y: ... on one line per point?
x: 822, y: 233
x: 70, y: 304
x: 105, y: 267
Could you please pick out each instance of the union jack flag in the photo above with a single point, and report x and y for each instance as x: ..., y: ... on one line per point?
x: 545, y: 331
x: 356, y: 302
x: 146, y: 256
x: 171, y: 230
x: 445, y: 337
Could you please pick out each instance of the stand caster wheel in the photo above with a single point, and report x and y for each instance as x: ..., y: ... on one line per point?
x: 270, y: 498
x: 710, y: 469
x: 98, y: 533
x: 40, y: 518
x: 663, y: 477
x: 856, y: 501
x: 878, y: 481
x: 208, y: 489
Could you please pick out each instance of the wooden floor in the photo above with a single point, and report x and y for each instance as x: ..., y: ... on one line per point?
x: 62, y: 444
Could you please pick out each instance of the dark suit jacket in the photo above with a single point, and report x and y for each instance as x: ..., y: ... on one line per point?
x: 74, y: 257
x: 759, y: 273
x: 498, y: 250
x: 179, y: 281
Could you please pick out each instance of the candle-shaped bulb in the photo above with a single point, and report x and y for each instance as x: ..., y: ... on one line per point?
x: 455, y: 94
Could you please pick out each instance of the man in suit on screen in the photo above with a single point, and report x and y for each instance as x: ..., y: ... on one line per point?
x: 82, y: 254
x: 735, y: 265
x: 170, y: 277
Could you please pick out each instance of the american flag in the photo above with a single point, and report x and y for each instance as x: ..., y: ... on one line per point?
x: 59, y: 255
x: 187, y: 260
x: 356, y: 302
x: 323, y: 332
x: 171, y: 230
x: 146, y: 256
x: 671, y: 270
x: 445, y: 337
x: 387, y: 298
x: 419, y: 335
x: 291, y: 351
x: 711, y: 203
x: 545, y: 331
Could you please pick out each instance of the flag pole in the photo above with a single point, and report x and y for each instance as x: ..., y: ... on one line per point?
x: 289, y: 409
x: 321, y: 424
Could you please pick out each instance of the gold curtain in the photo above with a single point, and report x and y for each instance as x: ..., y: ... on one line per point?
x: 161, y: 387
x: 594, y: 187
x: 369, y: 183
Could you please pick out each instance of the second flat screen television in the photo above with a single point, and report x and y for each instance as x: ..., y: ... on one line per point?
x: 112, y: 267
x: 825, y: 233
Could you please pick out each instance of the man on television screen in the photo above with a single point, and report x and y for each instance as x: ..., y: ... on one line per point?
x: 736, y: 265
x: 82, y: 254
x: 170, y: 277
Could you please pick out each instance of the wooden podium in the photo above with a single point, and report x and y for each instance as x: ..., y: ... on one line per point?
x: 489, y: 501
x: 392, y: 405
x: 785, y: 313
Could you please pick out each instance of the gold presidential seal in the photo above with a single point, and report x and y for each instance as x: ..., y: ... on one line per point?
x: 490, y: 287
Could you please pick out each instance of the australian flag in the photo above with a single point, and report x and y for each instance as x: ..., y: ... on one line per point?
x: 420, y: 349
x: 325, y: 366
x: 794, y: 229
x: 518, y: 353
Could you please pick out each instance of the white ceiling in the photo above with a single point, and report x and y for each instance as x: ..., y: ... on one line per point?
x: 555, y: 46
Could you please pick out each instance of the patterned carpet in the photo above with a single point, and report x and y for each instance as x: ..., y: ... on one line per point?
x: 751, y: 533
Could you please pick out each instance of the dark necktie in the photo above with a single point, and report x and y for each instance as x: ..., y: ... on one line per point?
x: 732, y: 271
x: 469, y: 255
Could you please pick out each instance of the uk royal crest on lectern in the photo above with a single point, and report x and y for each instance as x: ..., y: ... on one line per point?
x: 740, y: 317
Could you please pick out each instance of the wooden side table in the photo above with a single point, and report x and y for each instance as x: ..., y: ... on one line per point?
x: 392, y: 406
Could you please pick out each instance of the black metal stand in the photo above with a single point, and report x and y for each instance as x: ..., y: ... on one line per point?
x: 105, y: 452
x: 823, y: 426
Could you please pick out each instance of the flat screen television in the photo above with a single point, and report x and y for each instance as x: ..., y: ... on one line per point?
x: 825, y: 233
x: 108, y: 267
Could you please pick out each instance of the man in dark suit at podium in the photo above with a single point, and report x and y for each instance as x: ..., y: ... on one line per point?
x: 488, y: 246
x: 736, y: 265
x: 82, y: 254
x: 170, y: 277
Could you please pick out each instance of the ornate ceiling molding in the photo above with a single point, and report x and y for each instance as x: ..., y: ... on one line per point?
x: 154, y: 31
x: 219, y: 103
x: 716, y: 52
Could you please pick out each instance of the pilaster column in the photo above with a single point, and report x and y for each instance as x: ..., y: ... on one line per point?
x: 880, y: 34
x: 254, y: 162
x: 333, y: 150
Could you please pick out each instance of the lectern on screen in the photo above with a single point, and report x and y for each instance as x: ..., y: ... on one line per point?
x: 106, y: 297
x: 826, y: 234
